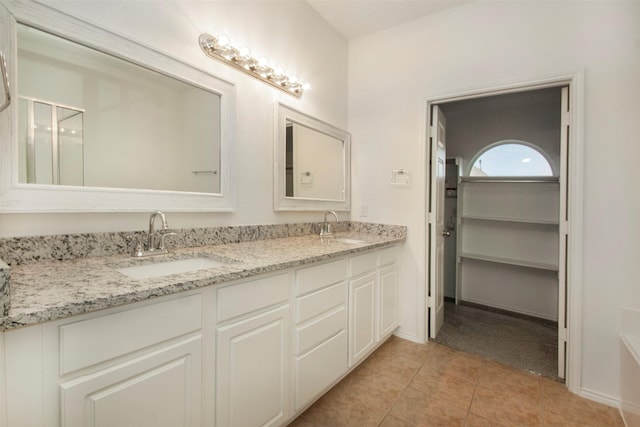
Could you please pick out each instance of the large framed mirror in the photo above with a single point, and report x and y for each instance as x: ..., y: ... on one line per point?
x: 101, y: 123
x: 312, y: 163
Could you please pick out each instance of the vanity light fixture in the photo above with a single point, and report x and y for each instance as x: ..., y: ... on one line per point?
x: 220, y: 49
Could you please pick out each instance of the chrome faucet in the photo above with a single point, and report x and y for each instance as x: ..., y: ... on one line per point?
x: 151, y: 242
x: 153, y: 248
x: 325, y: 230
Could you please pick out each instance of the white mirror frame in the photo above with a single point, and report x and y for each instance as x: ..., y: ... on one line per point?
x: 280, y: 201
x: 18, y: 197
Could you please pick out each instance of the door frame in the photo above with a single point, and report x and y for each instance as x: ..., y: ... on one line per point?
x: 575, y: 157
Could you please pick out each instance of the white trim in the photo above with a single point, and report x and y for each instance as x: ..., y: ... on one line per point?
x: 576, y: 227
x: 575, y: 81
x: 599, y: 397
x: 408, y: 337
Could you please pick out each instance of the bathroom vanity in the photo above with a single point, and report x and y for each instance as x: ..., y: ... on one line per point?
x: 252, y: 341
x: 240, y: 326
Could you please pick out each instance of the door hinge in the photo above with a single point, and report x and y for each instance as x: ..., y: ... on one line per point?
x: 562, y: 334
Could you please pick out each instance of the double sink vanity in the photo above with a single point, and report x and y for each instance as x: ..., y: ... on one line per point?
x: 234, y: 326
x: 241, y: 326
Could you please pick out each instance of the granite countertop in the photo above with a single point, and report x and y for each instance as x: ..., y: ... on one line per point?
x: 51, y: 290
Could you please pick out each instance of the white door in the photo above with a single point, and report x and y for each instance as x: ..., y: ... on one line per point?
x: 437, y: 231
x: 565, y: 123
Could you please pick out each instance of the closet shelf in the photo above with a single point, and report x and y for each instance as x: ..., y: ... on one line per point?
x: 510, y: 179
x: 516, y: 220
x: 511, y: 261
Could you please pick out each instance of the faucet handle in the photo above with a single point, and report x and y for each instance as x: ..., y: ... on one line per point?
x: 162, y: 237
x: 138, y: 249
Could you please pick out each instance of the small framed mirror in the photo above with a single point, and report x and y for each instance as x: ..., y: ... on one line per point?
x: 311, y: 163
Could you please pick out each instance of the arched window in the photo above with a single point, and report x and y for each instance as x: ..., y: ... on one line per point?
x: 511, y: 158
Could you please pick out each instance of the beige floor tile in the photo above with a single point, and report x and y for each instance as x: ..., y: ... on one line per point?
x: 446, y: 387
x: 361, y: 399
x: 370, y: 385
x: 507, y: 407
x: 391, y: 421
x: 342, y: 412
x: 559, y: 404
x: 477, y: 421
x: 417, y: 408
x: 504, y: 379
x: 301, y: 421
x: 404, y: 384
x: 466, y: 367
x: 435, y: 362
x: 404, y: 347
x: 394, y: 365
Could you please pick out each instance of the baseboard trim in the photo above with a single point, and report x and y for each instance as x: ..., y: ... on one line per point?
x: 507, y: 312
x: 600, y: 398
x: 407, y: 336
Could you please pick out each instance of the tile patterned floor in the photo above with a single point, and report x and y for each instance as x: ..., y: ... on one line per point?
x: 407, y: 384
x: 526, y: 344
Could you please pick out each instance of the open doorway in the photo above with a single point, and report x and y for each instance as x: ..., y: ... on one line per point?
x: 502, y: 221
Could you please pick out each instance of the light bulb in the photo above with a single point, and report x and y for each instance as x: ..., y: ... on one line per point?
x: 223, y: 40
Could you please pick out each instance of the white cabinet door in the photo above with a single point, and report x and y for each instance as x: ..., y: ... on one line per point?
x: 317, y: 369
x: 252, y: 370
x: 362, y: 316
x: 388, y: 301
x: 157, y: 389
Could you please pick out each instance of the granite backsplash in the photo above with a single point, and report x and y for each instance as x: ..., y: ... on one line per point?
x: 66, y: 247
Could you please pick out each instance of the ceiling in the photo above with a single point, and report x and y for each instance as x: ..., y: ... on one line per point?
x: 356, y: 18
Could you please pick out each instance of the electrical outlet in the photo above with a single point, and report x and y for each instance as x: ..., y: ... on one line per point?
x: 364, y: 211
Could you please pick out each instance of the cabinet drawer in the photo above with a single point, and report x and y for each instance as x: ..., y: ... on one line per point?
x: 243, y: 298
x: 363, y: 263
x: 315, y: 332
x: 318, y: 369
x: 88, y: 342
x: 312, y: 278
x: 388, y: 256
x: 318, y: 302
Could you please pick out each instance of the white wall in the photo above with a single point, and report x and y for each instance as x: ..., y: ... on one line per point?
x: 289, y: 33
x: 486, y: 44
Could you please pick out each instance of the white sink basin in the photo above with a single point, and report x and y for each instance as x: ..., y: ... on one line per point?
x: 167, y: 268
x: 349, y: 241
